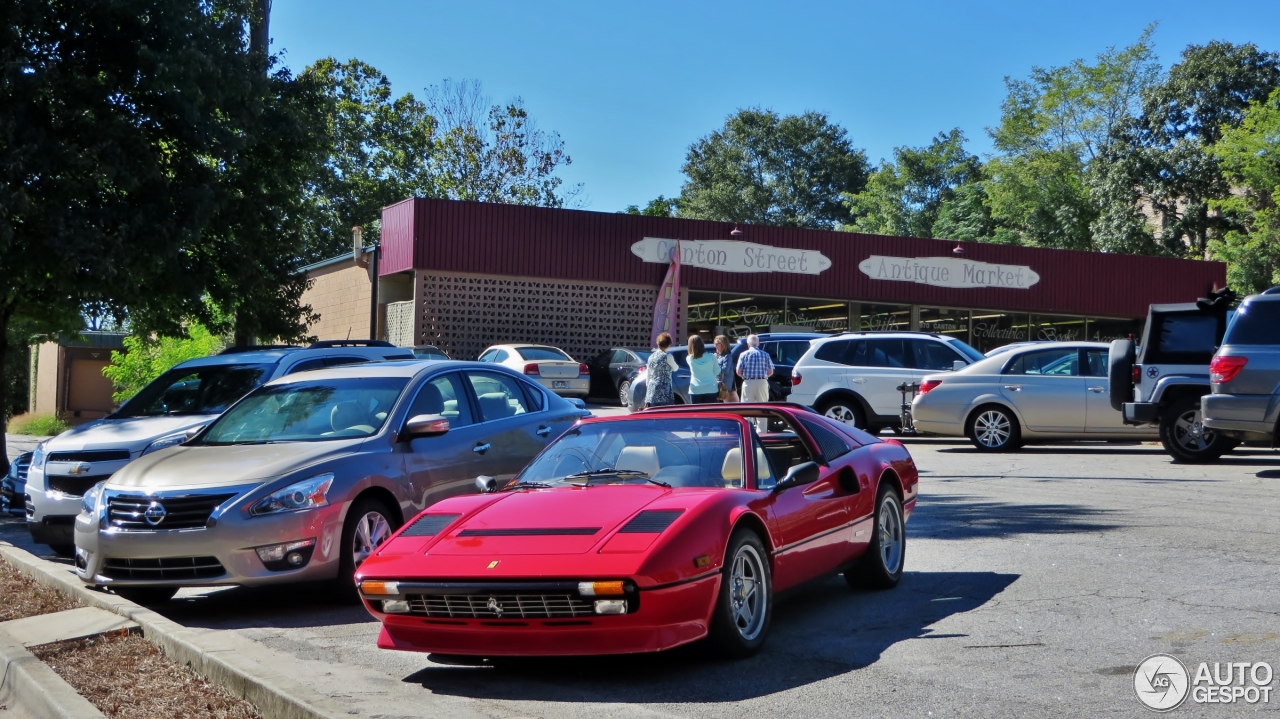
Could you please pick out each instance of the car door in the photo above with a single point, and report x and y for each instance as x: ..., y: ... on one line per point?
x: 514, y: 430
x: 1046, y: 389
x: 876, y: 368
x: 445, y: 465
x: 1099, y: 415
x: 624, y: 362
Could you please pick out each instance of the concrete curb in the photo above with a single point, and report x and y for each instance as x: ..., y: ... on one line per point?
x: 214, y: 655
x: 34, y: 686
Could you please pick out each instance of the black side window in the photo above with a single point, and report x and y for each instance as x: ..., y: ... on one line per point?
x: 883, y: 353
x: 1255, y: 323
x: 791, y: 351
x: 621, y: 357
x: 833, y: 351
x: 308, y: 365
x: 829, y: 443
x: 931, y: 355
x: 1097, y: 363
x: 1056, y: 362
x: 339, y: 361
x: 537, y: 402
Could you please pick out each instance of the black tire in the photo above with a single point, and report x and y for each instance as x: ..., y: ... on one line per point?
x: 1120, y: 373
x: 746, y: 587
x: 1186, y: 439
x: 844, y: 409
x: 882, y: 565
x: 359, y: 524
x: 624, y: 393
x: 146, y: 596
x: 64, y: 550
x: 993, y: 428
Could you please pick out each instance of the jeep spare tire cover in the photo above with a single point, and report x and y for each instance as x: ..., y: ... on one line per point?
x: 1120, y: 373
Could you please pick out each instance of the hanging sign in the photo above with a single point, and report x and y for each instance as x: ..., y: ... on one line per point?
x: 732, y: 256
x: 948, y: 272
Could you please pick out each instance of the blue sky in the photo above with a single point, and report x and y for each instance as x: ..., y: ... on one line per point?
x: 630, y: 85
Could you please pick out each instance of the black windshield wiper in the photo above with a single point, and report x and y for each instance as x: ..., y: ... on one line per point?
x: 528, y: 485
x: 619, y: 473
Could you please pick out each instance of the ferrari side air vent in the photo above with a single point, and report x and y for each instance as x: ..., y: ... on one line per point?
x: 651, y: 521
x: 429, y: 525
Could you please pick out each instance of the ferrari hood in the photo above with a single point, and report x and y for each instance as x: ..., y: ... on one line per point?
x: 181, y: 467
x: 565, y: 520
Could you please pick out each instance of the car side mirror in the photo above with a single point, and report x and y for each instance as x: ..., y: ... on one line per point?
x: 424, y: 425
x: 958, y: 365
x: 191, y: 433
x: 803, y: 473
x: 486, y: 484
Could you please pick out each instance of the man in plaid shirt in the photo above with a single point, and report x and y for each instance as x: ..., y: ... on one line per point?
x: 755, y: 367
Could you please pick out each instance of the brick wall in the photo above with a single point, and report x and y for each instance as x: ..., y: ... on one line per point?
x: 340, y: 294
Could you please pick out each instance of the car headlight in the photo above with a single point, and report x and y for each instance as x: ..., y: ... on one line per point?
x: 90, y: 502
x: 307, y: 494
x: 37, y: 456
x: 164, y: 442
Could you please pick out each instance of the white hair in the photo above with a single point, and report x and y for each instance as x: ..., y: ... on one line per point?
x: 753, y: 340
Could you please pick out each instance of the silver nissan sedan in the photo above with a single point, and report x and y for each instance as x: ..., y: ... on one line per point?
x: 305, y: 476
x: 1036, y: 392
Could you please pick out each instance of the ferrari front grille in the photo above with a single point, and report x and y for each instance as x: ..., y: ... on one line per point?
x: 500, y: 606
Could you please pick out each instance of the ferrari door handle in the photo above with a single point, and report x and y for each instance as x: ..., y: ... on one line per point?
x: 1013, y: 387
x: 543, y: 431
x: 480, y: 448
x: 1097, y: 389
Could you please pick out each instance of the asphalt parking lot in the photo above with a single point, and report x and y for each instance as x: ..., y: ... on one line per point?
x: 1035, y: 583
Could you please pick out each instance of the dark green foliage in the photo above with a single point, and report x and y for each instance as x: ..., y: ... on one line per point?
x: 904, y: 197
x: 659, y: 207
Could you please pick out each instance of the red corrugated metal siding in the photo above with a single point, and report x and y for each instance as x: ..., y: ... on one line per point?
x: 596, y: 246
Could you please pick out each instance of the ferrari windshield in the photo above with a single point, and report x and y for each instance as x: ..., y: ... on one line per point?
x: 674, y: 451
x: 308, y: 411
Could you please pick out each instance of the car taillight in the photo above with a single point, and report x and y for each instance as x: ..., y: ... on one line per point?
x: 1137, y: 374
x: 927, y: 385
x: 795, y: 378
x: 532, y: 368
x: 1225, y: 369
x: 583, y: 368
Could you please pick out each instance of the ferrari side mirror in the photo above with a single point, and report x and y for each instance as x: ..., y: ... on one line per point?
x: 803, y: 473
x: 486, y: 484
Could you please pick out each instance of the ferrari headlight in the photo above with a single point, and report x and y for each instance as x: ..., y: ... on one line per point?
x: 165, y: 442
x: 307, y: 494
x: 89, y: 504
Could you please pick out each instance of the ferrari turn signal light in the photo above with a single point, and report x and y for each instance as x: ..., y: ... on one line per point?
x: 601, y: 589
x: 380, y: 588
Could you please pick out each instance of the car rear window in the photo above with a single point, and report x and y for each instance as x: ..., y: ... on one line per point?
x: 1182, y: 338
x: 542, y: 353
x: 829, y: 443
x: 1255, y: 323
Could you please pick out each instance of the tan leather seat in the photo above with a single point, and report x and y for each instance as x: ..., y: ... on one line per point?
x: 640, y: 458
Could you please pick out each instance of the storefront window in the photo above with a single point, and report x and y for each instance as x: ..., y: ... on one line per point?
x: 1057, y: 328
x: 945, y: 321
x: 1105, y: 330
x: 817, y: 315
x: 992, y: 329
x: 703, y: 313
x: 741, y: 315
x: 875, y: 318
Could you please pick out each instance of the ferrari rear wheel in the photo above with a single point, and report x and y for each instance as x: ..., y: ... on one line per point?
x: 881, y: 567
x: 745, y: 603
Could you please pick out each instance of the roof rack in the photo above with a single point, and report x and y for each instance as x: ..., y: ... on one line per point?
x: 322, y: 344
x: 237, y: 349
x: 880, y: 332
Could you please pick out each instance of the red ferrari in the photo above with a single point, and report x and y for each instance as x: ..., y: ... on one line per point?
x: 644, y: 532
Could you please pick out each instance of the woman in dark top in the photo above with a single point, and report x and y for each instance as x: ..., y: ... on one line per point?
x: 724, y: 357
x: 658, y: 391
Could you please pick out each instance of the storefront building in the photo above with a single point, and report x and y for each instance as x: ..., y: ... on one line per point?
x: 464, y: 275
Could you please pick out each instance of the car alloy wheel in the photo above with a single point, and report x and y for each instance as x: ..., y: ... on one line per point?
x: 371, y: 531
x: 891, y: 535
x: 624, y: 393
x: 992, y: 429
x: 842, y: 410
x: 880, y: 567
x: 1189, y: 431
x: 748, y: 592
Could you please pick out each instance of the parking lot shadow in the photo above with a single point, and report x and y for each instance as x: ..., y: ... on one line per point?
x: 824, y: 631
x: 963, y: 517
x: 286, y: 606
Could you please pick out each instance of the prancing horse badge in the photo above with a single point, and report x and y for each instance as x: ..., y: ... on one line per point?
x: 493, y: 564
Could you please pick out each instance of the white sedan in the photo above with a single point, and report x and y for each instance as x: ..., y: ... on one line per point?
x: 549, y: 366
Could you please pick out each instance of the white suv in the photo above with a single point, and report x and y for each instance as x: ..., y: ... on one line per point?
x: 854, y: 377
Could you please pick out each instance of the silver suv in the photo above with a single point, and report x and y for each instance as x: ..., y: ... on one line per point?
x: 1244, y: 376
x: 854, y: 377
x: 305, y: 477
x: 186, y: 397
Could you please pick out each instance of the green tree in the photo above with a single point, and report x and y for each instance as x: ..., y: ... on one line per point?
x: 1053, y: 126
x: 966, y: 215
x: 380, y: 153
x: 1250, y: 160
x: 766, y: 169
x: 658, y: 207
x: 904, y: 197
x: 147, y: 357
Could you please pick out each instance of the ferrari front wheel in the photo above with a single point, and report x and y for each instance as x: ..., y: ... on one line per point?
x: 745, y: 602
x: 881, y: 565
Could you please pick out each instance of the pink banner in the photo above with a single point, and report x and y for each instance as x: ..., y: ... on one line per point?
x: 666, y: 311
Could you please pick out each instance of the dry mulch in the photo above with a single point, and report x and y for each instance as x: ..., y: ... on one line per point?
x: 127, y: 677
x: 20, y: 596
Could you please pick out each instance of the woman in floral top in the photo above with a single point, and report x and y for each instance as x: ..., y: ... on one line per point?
x: 658, y: 391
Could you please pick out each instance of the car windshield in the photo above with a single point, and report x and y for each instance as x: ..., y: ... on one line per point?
x: 429, y: 353
x: 308, y: 411
x: 542, y: 353
x: 199, y: 390
x: 963, y: 348
x: 675, y: 451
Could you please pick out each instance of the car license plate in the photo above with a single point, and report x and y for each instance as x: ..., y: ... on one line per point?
x: 560, y: 384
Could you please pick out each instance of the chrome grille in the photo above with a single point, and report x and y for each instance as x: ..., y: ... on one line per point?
x: 127, y: 512
x: 92, y: 455
x: 24, y: 466
x: 163, y: 568
x: 504, y: 606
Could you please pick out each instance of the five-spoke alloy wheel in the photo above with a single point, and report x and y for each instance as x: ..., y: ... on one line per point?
x: 745, y: 603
